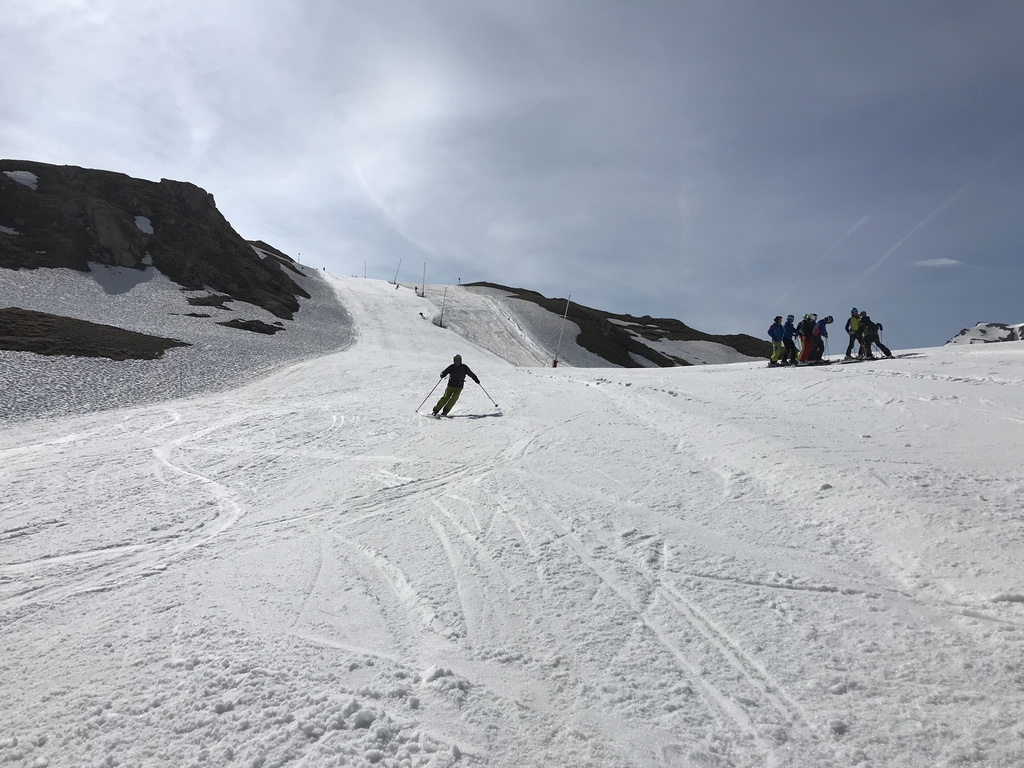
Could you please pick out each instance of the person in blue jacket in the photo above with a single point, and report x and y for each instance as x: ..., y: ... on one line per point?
x: 788, y: 333
x: 775, y: 333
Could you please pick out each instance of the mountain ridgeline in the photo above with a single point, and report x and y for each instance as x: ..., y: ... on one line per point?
x: 54, y: 217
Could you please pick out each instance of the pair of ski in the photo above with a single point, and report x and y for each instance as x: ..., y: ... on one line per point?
x: 848, y: 360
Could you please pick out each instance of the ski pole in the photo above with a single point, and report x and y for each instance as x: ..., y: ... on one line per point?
x: 428, y: 395
x: 485, y: 392
x: 828, y: 355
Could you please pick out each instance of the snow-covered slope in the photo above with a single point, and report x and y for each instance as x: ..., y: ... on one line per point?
x: 148, y: 302
x: 985, y: 333
x: 524, y: 333
x: 517, y: 331
x: 714, y: 566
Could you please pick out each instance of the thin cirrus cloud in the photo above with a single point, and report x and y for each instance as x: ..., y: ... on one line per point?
x: 938, y: 263
x: 720, y: 163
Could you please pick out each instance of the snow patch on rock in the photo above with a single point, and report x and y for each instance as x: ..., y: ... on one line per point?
x: 27, y: 178
x: 987, y: 333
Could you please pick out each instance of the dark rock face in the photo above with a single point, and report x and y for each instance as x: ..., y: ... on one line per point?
x: 74, y: 216
x: 23, y: 330
x: 614, y: 341
x: 256, y: 326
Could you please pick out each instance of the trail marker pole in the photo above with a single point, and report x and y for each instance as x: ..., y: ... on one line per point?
x: 554, y: 363
x: 423, y: 285
x: 396, y: 271
x: 444, y: 300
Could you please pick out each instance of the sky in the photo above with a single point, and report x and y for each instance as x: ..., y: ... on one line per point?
x: 717, y: 162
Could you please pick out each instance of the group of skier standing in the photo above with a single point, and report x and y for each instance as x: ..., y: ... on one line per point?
x: 811, y: 334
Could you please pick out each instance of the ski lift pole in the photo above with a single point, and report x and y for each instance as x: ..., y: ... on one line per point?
x: 554, y: 363
x: 397, y: 270
x: 428, y: 395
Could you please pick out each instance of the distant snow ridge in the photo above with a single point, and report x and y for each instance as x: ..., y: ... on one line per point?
x: 986, y: 333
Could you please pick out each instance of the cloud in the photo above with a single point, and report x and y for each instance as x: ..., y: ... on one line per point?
x: 698, y: 160
x: 938, y: 263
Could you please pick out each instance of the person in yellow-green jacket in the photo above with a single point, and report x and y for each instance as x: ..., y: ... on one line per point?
x: 456, y: 373
x: 853, y: 328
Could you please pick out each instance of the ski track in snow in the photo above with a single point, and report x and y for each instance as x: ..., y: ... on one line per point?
x: 718, y: 566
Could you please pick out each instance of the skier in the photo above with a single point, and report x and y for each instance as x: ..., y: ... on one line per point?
x: 456, y: 373
x: 806, y: 331
x: 819, y: 335
x: 776, y: 332
x: 869, y: 335
x: 852, y: 328
x: 788, y: 332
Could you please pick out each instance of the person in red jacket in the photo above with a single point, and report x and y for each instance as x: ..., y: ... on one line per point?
x: 456, y: 373
x: 806, y: 333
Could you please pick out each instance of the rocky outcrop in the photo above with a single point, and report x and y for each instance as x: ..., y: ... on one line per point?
x: 23, y: 330
x: 65, y: 216
x: 986, y: 333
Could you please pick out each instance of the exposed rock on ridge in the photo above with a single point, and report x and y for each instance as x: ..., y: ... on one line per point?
x: 986, y: 333
x: 66, y: 216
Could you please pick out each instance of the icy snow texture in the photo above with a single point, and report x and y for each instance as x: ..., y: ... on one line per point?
x: 147, y: 301
x: 722, y: 566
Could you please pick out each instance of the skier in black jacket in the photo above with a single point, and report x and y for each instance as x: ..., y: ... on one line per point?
x: 456, y: 373
x: 869, y: 335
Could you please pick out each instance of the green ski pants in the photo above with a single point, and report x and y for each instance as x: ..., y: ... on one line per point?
x: 448, y: 399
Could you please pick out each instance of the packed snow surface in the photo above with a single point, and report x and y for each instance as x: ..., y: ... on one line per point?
x: 713, y: 566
